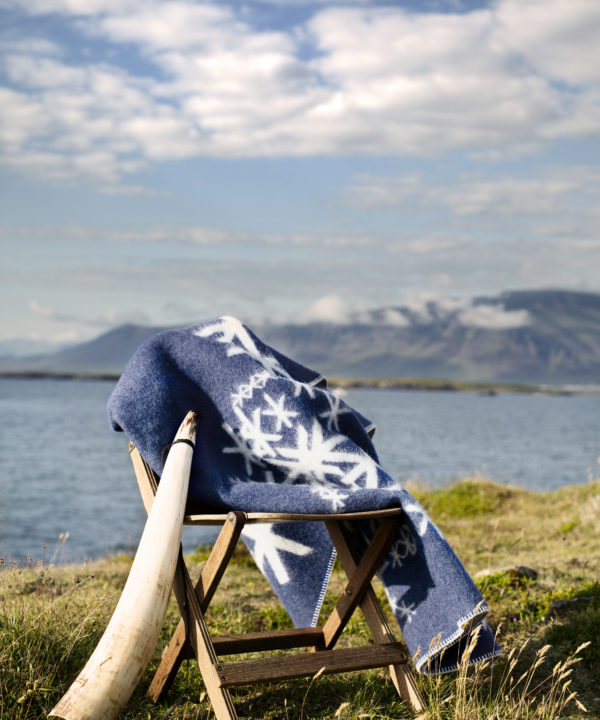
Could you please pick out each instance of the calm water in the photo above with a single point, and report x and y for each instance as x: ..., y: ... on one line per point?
x: 63, y: 470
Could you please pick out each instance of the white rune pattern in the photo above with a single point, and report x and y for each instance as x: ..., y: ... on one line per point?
x: 365, y: 466
x: 268, y: 546
x: 300, y: 386
x: 404, y: 546
x: 315, y: 458
x: 242, y: 448
x: 252, y: 432
x: 231, y: 329
x: 330, y: 494
x: 418, y: 511
x: 405, y: 611
x: 336, y: 408
x: 278, y: 411
x: 245, y: 392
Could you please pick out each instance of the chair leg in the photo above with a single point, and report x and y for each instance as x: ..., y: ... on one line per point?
x: 359, y: 580
x: 402, y: 676
x: 200, y: 640
x: 193, y: 603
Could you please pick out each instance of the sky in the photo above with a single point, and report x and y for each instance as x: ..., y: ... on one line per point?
x: 166, y: 162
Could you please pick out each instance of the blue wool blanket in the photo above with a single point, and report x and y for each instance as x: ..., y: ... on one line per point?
x: 272, y: 438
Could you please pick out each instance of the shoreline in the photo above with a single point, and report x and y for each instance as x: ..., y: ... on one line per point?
x: 335, y: 383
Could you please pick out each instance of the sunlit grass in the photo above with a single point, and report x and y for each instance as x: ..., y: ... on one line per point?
x: 535, y: 556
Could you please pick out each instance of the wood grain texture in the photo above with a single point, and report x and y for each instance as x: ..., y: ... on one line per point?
x: 401, y: 673
x: 203, y: 592
x: 359, y: 580
x: 292, y: 666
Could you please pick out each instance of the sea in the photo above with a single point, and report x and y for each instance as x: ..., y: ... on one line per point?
x: 68, y: 492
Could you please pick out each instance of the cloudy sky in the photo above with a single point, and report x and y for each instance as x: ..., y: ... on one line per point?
x: 169, y: 161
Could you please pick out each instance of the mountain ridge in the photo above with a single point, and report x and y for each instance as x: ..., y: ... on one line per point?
x: 531, y: 336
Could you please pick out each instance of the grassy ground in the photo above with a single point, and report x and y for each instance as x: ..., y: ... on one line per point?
x: 536, y: 557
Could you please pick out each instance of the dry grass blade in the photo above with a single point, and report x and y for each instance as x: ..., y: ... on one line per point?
x: 312, y: 680
x: 341, y: 709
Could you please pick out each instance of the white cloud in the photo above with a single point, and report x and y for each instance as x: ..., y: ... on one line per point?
x: 508, y: 196
x: 427, y: 309
x: 71, y: 7
x: 328, y: 309
x: 420, y: 309
x: 493, y: 317
x: 41, y: 310
x: 131, y: 191
x: 391, y: 316
x: 351, y: 80
x: 555, y: 191
x: 335, y: 310
x: 559, y: 39
x: 108, y: 319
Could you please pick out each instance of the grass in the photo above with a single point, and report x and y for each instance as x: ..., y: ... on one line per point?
x: 536, y: 557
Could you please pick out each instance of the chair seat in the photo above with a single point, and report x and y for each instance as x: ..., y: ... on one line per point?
x: 260, y: 517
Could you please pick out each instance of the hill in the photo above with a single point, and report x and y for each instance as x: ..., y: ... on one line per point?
x: 107, y: 353
x: 532, y: 337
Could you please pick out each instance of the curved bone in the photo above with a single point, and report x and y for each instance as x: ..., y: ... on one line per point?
x: 114, y: 669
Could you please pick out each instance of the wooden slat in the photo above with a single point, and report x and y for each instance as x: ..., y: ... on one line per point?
x: 200, y: 640
x: 360, y: 580
x: 146, y: 478
x: 178, y: 648
x: 401, y: 674
x: 258, y: 517
x: 268, y: 640
x: 292, y: 666
x: 209, y: 580
x: 218, y: 560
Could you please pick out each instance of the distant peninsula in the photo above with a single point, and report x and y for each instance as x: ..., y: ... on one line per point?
x: 342, y: 384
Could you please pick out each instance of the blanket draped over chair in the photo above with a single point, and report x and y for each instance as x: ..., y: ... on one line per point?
x: 272, y: 438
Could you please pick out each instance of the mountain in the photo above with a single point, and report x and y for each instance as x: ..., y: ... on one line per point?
x: 107, y: 353
x: 22, y: 347
x: 528, y: 336
x: 534, y: 337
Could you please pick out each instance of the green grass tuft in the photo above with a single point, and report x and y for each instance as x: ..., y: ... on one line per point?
x: 467, y: 499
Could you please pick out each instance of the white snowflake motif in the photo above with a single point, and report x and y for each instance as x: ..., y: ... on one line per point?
x: 242, y: 448
x: 245, y: 392
x: 231, y: 329
x: 278, y: 411
x: 331, y: 494
x: 404, y: 546
x: 417, y: 510
x: 406, y: 612
x: 316, y: 458
x: 313, y: 456
x: 253, y: 434
x: 336, y: 408
x: 268, y: 546
x: 300, y: 386
x: 365, y: 470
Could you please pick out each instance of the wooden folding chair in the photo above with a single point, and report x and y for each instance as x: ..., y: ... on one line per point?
x: 192, y: 637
